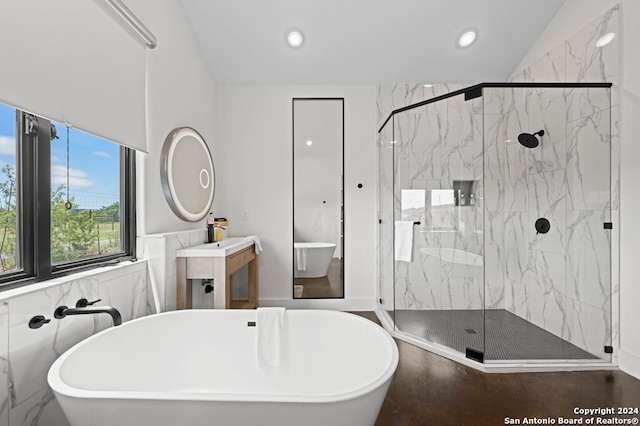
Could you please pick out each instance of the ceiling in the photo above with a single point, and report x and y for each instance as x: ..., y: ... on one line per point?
x: 366, y: 41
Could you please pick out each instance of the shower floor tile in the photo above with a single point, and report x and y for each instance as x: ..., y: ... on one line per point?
x: 508, y: 337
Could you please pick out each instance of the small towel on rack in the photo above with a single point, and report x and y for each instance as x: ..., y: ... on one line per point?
x: 256, y: 241
x: 404, y: 240
x: 301, y: 258
x: 269, y: 329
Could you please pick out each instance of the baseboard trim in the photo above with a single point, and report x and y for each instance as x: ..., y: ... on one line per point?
x: 629, y: 363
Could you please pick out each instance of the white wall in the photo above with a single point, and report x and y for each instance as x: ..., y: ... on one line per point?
x: 180, y: 92
x: 254, y: 162
x: 574, y: 15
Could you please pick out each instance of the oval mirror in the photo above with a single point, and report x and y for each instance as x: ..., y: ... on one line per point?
x: 187, y: 174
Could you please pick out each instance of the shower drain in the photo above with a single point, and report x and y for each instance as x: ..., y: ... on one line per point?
x: 470, y: 331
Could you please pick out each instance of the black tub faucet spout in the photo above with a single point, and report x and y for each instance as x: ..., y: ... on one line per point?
x: 63, y: 311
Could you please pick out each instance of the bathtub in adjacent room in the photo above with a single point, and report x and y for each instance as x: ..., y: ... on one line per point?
x: 199, y: 367
x: 311, y: 260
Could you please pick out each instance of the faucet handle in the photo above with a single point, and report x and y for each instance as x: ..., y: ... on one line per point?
x: 83, y: 303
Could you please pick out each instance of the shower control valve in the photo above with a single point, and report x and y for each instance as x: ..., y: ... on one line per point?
x: 83, y: 303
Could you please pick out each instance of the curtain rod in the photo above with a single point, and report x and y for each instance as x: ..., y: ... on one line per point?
x: 132, y: 21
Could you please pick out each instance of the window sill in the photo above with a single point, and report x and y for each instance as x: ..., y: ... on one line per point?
x: 113, y: 271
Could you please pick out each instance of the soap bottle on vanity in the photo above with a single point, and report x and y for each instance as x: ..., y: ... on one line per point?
x: 221, y: 227
x: 211, y: 229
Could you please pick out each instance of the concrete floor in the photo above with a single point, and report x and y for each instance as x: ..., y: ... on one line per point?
x: 428, y: 389
x: 329, y: 286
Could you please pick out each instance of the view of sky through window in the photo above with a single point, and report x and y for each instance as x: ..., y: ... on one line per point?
x: 94, y: 168
x: 85, y: 194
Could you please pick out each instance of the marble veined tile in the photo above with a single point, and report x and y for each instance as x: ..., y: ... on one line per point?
x: 500, y: 133
x: 615, y: 158
x: 494, y: 282
x: 589, y: 259
x: 585, y: 102
x: 394, y: 96
x: 516, y: 247
x: 34, y: 350
x: 42, y: 409
x: 128, y: 295
x: 545, y: 110
x: 458, y: 163
x: 587, y: 62
x: 588, y: 327
x: 494, y: 228
x: 547, y: 295
x: 460, y: 293
x: 417, y: 151
x: 548, y: 199
x: 516, y: 181
x: 497, y: 101
x: 519, y: 299
x: 405, y: 296
x: 385, y: 179
x: 455, y: 118
x: 589, y: 162
x: 550, y: 68
x: 424, y: 280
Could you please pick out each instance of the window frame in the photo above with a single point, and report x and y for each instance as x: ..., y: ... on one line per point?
x: 33, y: 208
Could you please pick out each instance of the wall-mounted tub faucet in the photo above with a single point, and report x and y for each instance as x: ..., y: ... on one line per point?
x: 63, y: 311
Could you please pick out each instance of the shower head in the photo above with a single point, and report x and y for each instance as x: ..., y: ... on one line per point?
x: 529, y: 140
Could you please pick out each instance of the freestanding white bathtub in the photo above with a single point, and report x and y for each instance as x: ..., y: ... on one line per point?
x: 198, y: 367
x: 318, y: 257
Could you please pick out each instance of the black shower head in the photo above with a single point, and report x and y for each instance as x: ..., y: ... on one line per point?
x: 529, y: 140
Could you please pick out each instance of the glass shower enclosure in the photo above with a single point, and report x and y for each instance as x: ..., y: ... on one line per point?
x: 494, y: 208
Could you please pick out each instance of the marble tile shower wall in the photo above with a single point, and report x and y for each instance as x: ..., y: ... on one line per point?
x: 433, y: 146
x: 160, y: 252
x: 560, y: 281
x: 567, y: 280
x: 26, y: 354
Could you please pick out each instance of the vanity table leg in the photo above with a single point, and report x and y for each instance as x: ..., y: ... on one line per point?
x: 219, y: 290
x: 253, y: 282
x: 183, y: 285
x: 229, y: 291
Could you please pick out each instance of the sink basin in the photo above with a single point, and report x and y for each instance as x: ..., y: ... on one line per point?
x: 221, y: 249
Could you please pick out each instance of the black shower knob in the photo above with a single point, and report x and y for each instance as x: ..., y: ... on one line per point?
x: 542, y: 226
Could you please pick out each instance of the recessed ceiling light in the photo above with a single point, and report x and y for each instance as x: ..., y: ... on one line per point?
x: 309, y: 143
x: 605, y: 39
x: 295, y: 38
x: 467, y: 37
x: 428, y: 85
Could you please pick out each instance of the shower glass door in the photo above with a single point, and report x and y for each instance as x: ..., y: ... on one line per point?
x: 385, y: 220
x: 438, y: 219
x: 547, y: 211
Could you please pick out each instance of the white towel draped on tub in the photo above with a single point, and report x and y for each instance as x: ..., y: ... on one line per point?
x: 404, y: 240
x: 269, y: 329
x: 301, y: 258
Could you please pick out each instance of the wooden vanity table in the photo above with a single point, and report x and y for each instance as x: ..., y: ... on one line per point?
x: 218, y: 261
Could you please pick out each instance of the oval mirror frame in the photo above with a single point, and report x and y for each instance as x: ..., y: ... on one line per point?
x: 187, y: 174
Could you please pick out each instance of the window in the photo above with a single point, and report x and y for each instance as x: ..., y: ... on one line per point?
x: 9, y: 259
x: 66, y: 199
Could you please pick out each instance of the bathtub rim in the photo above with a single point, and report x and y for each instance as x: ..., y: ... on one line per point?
x: 60, y: 387
x: 314, y: 245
